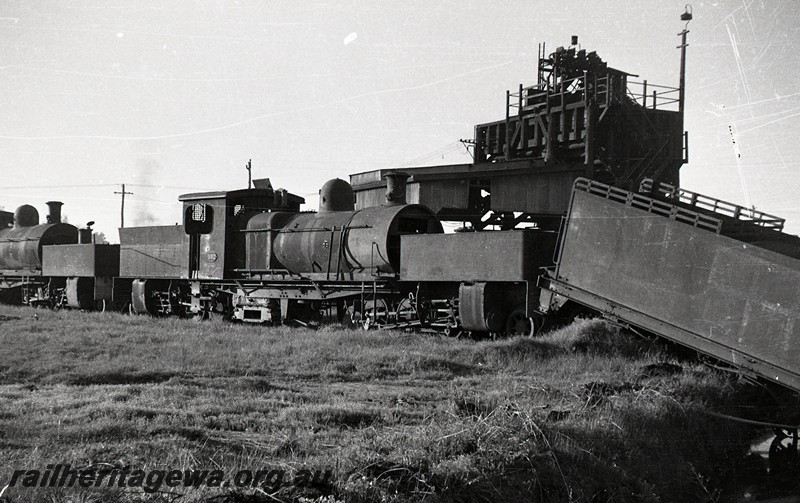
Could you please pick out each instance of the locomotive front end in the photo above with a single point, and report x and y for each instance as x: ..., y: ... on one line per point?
x: 21, y: 245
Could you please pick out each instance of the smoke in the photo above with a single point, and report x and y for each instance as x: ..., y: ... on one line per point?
x: 144, y: 217
x: 145, y: 173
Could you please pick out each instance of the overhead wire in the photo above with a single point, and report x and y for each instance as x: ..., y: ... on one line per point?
x: 442, y: 151
x: 85, y: 185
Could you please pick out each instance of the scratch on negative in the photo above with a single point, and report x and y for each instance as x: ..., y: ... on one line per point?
x: 263, y: 116
x: 739, y: 65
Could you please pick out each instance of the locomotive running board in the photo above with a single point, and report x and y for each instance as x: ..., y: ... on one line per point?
x: 676, y: 334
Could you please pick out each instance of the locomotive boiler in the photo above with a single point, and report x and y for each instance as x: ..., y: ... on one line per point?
x: 21, y: 243
x: 339, y: 242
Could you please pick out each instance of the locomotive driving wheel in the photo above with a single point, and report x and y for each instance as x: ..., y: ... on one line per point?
x: 58, y: 299
x: 201, y: 314
x: 405, y: 312
x: 375, y: 313
x: 520, y: 324
x: 352, y: 316
x: 783, y: 451
x: 454, y: 331
x: 424, y: 311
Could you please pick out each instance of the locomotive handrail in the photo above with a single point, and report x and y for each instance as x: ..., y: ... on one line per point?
x: 318, y: 229
x: 284, y: 272
x: 340, y: 252
x: 330, y: 254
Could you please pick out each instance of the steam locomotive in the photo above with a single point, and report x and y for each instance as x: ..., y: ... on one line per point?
x: 375, y: 252
x: 251, y: 255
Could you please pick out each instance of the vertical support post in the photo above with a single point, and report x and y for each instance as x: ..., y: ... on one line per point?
x: 686, y: 146
x: 589, y: 139
x: 551, y: 137
x: 508, y: 124
x: 523, y: 138
x: 585, y: 87
x: 549, y: 134
x: 564, y: 128
x: 644, y: 94
x: 539, y: 64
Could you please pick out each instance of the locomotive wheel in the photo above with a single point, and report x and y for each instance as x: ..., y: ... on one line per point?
x: 59, y: 300
x: 425, y: 313
x: 454, y: 332
x: 375, y: 313
x: 405, y: 311
x: 519, y: 324
x: 352, y: 317
x: 201, y: 315
x: 100, y: 305
x: 783, y: 451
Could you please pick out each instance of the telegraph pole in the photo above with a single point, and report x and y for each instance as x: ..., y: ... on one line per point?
x: 686, y: 16
x: 249, y: 168
x: 122, y: 206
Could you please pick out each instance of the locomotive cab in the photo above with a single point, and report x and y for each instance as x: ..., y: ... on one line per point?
x: 215, y: 223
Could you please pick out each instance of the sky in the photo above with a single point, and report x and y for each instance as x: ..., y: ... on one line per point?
x: 176, y: 97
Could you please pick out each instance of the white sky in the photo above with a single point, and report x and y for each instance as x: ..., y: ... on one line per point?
x: 175, y: 97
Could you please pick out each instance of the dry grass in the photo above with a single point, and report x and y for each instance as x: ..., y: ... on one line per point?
x: 581, y: 414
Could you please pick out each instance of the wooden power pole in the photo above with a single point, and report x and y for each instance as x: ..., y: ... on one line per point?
x: 249, y: 168
x: 122, y: 206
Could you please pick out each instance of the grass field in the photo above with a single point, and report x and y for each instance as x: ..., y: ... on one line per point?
x: 584, y: 413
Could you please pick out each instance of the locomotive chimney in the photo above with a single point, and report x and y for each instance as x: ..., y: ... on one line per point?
x: 54, y: 212
x: 85, y: 234
x: 396, y: 187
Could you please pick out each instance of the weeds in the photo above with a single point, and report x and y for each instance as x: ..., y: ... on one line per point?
x: 585, y: 413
